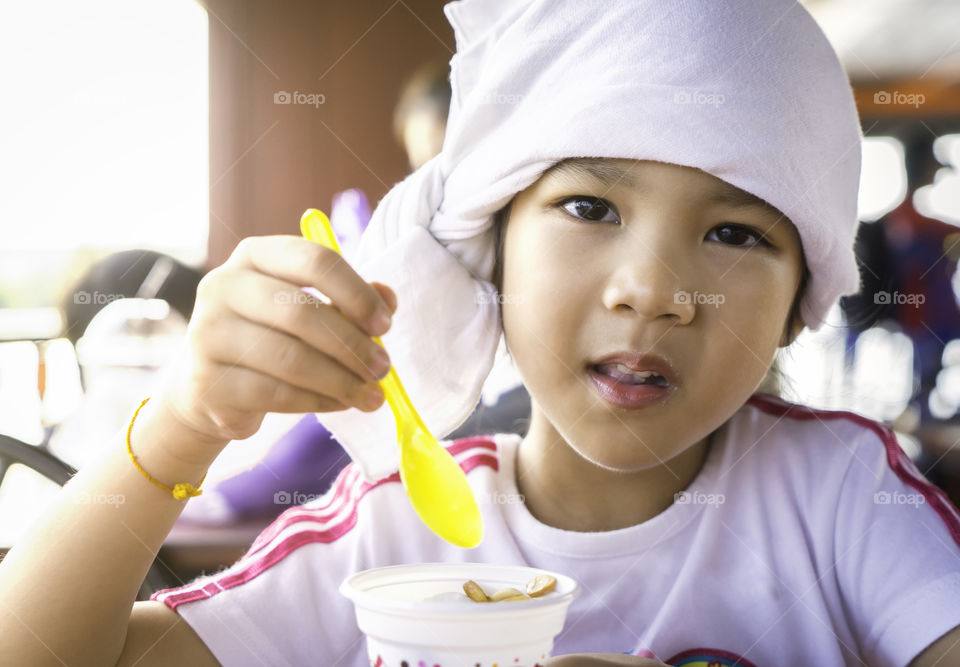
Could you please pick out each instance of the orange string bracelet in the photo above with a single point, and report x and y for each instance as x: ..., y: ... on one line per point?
x: 180, y: 491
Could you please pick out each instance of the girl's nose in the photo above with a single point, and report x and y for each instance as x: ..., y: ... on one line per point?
x: 649, y: 285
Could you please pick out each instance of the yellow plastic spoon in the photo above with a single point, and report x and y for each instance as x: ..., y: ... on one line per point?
x: 434, y: 481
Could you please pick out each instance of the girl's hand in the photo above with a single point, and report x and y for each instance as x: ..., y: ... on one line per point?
x: 257, y: 343
x: 601, y: 660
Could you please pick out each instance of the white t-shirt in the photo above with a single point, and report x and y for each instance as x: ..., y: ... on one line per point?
x: 807, y: 538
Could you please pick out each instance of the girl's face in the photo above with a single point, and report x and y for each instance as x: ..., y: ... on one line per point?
x: 610, y: 256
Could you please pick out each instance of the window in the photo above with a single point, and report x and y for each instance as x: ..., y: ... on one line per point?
x: 103, y: 147
x: 103, y: 137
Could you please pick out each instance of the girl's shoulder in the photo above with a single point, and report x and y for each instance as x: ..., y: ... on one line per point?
x: 804, y: 447
x: 831, y: 453
x: 801, y: 425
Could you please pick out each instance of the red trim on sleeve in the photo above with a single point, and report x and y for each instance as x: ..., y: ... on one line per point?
x: 897, y: 459
x: 335, y: 519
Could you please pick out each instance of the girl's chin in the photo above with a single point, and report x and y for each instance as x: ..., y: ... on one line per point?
x: 637, y: 459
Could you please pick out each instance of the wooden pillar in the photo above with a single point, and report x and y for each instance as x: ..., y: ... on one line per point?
x: 270, y: 160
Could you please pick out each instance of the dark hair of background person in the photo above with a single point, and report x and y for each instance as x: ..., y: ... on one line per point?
x: 919, y: 160
x: 128, y: 274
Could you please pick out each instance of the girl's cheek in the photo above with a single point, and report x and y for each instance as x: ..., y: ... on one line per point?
x: 532, y: 273
x: 758, y: 284
x: 752, y: 326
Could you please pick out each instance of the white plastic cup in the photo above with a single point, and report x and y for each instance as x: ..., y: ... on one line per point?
x: 404, y: 627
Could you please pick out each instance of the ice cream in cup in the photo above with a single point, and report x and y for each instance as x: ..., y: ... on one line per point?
x: 419, y: 614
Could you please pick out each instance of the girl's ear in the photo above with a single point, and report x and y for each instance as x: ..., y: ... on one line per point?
x: 795, y: 327
x: 500, y: 219
x: 795, y: 323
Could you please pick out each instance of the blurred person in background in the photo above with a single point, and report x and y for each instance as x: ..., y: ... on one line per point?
x: 923, y: 253
x: 128, y: 274
x: 907, y: 264
x: 125, y: 316
x: 420, y: 117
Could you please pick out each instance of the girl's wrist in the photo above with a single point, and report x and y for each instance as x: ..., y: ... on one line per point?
x: 179, y: 453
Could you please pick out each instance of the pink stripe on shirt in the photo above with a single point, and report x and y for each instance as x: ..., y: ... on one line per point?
x: 345, y: 490
x: 349, y: 490
x: 897, y: 459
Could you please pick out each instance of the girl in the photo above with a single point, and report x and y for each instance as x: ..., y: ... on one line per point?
x: 655, y: 197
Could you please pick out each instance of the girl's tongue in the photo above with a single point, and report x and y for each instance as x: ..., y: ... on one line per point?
x: 623, y: 374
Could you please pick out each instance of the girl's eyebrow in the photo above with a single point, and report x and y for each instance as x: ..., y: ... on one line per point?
x: 724, y: 193
x: 602, y: 171
x: 610, y: 174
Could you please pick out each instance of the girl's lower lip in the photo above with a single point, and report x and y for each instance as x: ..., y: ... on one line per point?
x: 625, y: 395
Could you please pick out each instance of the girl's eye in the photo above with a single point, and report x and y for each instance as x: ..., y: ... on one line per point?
x: 593, y: 209
x: 738, y: 236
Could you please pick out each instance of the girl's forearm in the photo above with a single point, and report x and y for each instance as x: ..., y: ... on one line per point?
x: 67, y: 587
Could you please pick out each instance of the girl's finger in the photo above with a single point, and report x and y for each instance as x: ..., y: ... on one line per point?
x: 276, y: 354
x: 247, y: 391
x: 302, y: 262
x: 387, y: 294
x: 282, y: 306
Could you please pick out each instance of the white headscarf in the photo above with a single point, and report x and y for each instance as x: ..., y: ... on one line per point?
x: 748, y: 91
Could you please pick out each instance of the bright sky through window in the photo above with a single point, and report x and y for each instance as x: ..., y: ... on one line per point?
x: 103, y: 128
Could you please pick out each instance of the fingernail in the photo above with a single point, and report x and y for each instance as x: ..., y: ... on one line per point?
x: 381, y: 365
x: 372, y: 397
x: 381, y: 321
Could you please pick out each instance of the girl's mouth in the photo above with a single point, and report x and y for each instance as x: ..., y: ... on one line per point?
x: 623, y: 374
x: 626, y: 388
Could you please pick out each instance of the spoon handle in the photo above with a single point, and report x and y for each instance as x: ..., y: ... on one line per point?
x: 315, y: 226
x: 396, y: 395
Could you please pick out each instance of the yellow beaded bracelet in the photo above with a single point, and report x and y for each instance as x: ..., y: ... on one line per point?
x: 180, y: 491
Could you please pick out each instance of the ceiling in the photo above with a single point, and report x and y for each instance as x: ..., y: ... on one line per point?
x: 880, y: 40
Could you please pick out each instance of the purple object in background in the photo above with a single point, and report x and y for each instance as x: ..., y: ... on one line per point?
x: 349, y: 216
x: 302, y: 464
